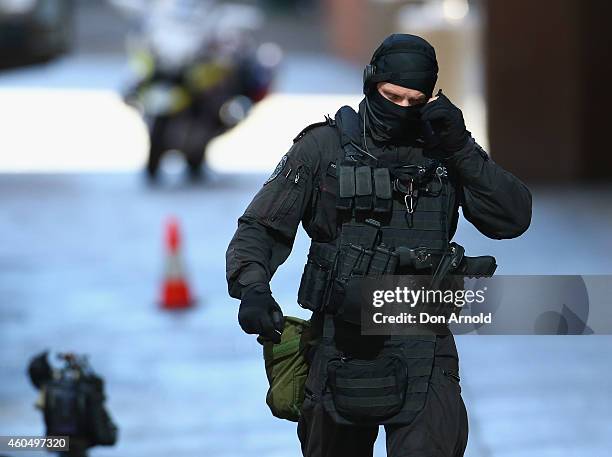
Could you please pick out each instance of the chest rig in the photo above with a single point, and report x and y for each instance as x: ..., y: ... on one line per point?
x: 392, y: 218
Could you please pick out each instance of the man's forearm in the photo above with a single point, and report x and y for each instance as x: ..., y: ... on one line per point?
x: 249, y: 258
x: 494, y: 200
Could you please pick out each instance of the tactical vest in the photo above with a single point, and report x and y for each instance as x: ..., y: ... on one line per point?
x: 390, y: 221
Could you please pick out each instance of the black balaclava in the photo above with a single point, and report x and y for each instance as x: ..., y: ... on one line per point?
x: 408, y: 61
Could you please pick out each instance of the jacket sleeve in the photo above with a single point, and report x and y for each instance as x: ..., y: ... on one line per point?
x: 494, y: 200
x: 267, y: 229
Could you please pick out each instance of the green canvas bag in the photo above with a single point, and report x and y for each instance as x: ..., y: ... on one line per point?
x: 287, y: 368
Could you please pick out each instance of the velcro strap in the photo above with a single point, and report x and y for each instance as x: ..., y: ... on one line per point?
x: 369, y: 383
x: 364, y: 235
x: 346, y: 187
x: 386, y: 400
x: 363, y: 188
x: 382, y: 190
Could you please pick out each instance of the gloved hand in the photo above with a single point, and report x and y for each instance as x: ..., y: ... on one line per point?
x: 449, y: 134
x: 259, y: 313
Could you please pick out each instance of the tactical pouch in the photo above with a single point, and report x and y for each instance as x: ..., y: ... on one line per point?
x: 346, y: 183
x: 367, y: 391
x: 354, y: 257
x: 356, y: 242
x: 382, y: 190
x: 389, y: 387
x: 353, y: 262
x: 363, y: 188
x: 384, y: 262
x: 312, y: 286
x: 356, y: 260
x: 316, y: 277
x: 287, y: 368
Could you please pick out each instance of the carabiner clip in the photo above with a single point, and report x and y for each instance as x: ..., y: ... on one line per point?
x: 408, y: 198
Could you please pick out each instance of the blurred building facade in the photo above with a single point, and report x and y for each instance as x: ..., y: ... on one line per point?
x: 533, y: 75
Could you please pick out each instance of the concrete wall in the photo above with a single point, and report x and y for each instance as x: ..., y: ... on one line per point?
x: 548, y: 67
x: 548, y: 75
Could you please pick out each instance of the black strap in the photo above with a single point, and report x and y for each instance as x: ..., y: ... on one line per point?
x: 384, y: 261
x: 369, y: 402
x: 369, y: 383
x: 328, y: 329
x: 382, y: 77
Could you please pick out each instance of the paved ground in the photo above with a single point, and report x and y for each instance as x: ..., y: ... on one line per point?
x: 80, y: 268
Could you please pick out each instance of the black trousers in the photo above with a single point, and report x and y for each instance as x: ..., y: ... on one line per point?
x: 439, y: 430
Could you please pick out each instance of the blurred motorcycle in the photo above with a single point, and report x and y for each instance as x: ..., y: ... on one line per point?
x: 199, y: 73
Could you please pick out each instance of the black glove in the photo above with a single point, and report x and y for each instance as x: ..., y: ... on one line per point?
x: 445, y: 131
x: 260, y: 314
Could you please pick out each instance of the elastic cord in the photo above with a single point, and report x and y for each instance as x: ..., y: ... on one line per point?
x: 365, y: 143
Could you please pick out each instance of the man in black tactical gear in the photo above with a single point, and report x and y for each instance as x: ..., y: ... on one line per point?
x: 366, y: 186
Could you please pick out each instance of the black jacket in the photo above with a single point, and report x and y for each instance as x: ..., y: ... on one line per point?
x: 302, y: 190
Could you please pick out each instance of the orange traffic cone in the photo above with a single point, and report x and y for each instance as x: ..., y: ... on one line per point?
x: 175, y: 290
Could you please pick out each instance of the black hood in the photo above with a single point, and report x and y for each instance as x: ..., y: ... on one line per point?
x: 405, y: 60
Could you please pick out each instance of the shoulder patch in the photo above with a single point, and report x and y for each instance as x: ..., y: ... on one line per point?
x: 305, y: 130
x: 277, y: 170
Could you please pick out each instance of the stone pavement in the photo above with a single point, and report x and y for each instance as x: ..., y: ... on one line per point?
x: 80, y: 268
